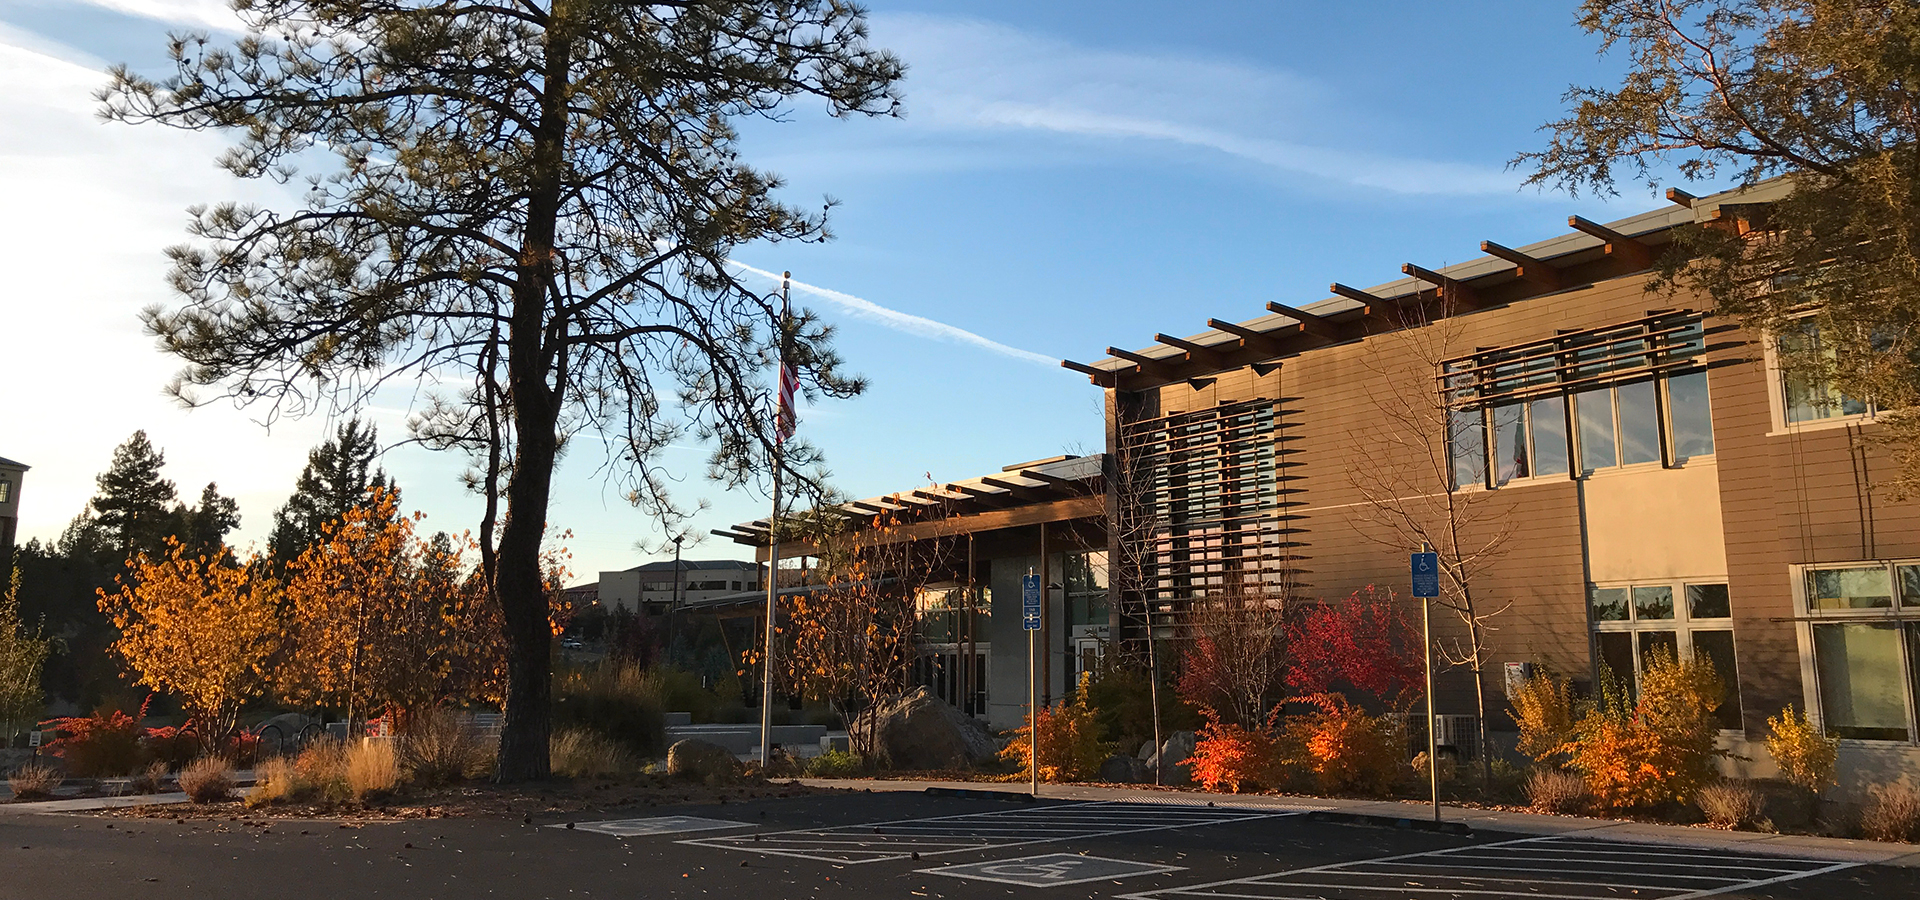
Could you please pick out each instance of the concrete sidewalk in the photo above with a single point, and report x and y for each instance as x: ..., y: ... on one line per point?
x: 1804, y: 846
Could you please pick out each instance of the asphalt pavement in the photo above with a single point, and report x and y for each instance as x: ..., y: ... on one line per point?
x: 891, y: 845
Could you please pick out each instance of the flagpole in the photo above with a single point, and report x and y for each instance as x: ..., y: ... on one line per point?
x: 773, y: 543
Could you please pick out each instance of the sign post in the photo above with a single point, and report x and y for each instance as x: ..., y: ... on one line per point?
x: 1030, y: 596
x: 1425, y: 567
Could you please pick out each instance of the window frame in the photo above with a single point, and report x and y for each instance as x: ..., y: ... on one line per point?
x: 1777, y: 395
x: 1565, y: 368
x: 1903, y: 616
x: 1682, y: 625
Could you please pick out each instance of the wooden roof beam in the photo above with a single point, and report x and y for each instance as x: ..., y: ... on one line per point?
x: 1629, y: 250
x: 1452, y: 291
x: 1318, y: 326
x: 1101, y: 377
x: 1352, y: 293
x: 1679, y: 197
x: 994, y: 498
x: 1214, y: 352
x: 1146, y: 362
x: 1540, y: 273
x: 1053, y: 481
x: 1018, y: 490
x: 1270, y: 341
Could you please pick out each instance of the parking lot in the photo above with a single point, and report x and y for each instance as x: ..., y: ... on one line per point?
x: 905, y: 845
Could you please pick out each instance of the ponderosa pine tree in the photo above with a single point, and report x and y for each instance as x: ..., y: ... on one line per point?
x: 203, y: 528
x: 135, y: 509
x: 1823, y: 92
x: 532, y: 203
x: 336, y: 478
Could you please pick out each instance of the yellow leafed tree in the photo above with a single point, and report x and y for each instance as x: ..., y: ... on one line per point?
x: 199, y: 626
x: 378, y: 621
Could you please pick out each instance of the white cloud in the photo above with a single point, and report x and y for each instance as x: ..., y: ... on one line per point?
x: 90, y: 207
x: 213, y: 14
x: 901, y: 321
x: 967, y: 75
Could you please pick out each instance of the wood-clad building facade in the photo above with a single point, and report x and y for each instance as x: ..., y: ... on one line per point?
x: 1630, y: 471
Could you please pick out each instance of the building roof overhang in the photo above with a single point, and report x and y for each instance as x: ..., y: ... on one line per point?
x: 1043, y: 490
x: 1589, y: 253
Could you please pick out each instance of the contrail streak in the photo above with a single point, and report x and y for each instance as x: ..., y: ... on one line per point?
x: 900, y: 321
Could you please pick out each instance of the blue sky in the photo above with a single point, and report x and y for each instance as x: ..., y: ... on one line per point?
x: 1069, y: 175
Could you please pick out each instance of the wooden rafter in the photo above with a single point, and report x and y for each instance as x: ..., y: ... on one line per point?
x: 1318, y: 326
x: 1146, y: 362
x: 1452, y: 291
x: 1193, y: 349
x: 1629, y: 250
x: 1354, y: 293
x: 1534, y: 270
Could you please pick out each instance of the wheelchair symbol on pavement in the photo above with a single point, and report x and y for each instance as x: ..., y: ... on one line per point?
x: 1052, y: 870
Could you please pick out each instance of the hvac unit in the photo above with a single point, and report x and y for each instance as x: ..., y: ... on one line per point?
x: 1459, y: 734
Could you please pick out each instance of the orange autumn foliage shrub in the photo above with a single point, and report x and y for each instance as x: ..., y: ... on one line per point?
x: 1655, y: 749
x: 1227, y: 755
x: 1070, y: 744
x: 1346, y: 749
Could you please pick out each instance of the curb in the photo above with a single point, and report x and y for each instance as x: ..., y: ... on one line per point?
x: 1399, y: 823
x: 975, y: 794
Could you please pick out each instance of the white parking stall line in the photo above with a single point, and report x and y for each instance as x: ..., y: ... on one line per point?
x: 1557, y: 868
x: 934, y: 836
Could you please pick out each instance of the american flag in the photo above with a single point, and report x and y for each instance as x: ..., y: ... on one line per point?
x: 786, y: 418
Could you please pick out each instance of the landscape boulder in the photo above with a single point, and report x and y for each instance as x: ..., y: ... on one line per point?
x: 917, y: 730
x: 1172, y: 759
x: 1124, y: 769
x: 701, y: 761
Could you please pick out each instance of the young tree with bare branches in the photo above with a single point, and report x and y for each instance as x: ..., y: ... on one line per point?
x: 1409, y: 494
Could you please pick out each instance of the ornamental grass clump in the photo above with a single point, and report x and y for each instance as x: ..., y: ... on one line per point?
x: 372, y: 769
x: 439, y: 748
x: 208, y: 779
x: 275, y: 781
x: 580, y: 753
x: 1892, y: 813
x: 34, y: 781
x: 1732, y: 804
x: 321, y: 769
x: 1556, y: 792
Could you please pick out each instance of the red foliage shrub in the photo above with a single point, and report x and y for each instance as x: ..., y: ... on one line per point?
x: 104, y: 744
x: 1363, y: 642
x: 173, y: 746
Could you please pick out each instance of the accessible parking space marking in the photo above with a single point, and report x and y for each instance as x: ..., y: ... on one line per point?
x: 653, y: 825
x: 1561, y: 867
x: 1052, y: 870
x: 880, y: 841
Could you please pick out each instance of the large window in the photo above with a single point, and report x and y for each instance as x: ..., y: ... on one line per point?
x: 1632, y: 622
x: 1864, y: 628
x: 1086, y: 588
x: 1807, y: 395
x: 1634, y: 394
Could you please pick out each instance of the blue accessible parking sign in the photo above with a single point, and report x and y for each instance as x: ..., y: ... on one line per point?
x: 1426, y: 575
x: 1030, y: 602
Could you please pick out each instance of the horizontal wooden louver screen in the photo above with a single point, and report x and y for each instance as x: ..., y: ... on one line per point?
x: 1575, y: 361
x: 1215, y: 499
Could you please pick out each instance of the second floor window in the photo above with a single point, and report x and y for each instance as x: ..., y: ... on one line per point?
x: 1806, y: 394
x: 1627, y: 395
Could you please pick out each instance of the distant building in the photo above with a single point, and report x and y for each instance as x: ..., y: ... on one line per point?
x: 651, y: 588
x: 11, y: 474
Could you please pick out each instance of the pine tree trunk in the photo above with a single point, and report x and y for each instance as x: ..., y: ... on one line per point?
x: 523, y: 607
